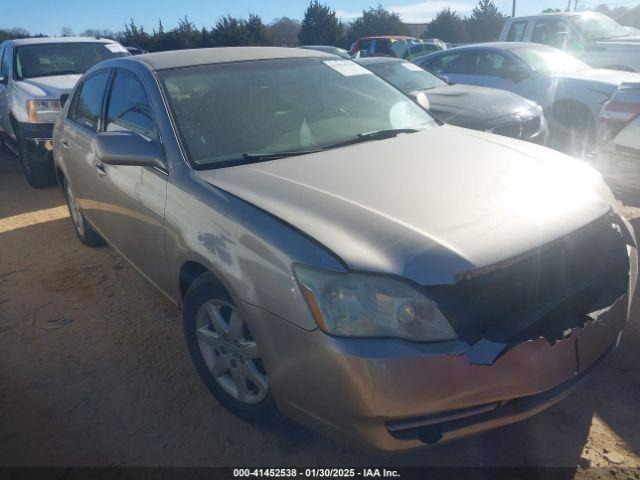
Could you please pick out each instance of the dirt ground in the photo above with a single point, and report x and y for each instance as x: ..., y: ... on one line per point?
x: 94, y: 371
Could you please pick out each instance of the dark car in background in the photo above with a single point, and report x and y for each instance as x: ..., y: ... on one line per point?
x: 479, y: 108
x: 394, y: 46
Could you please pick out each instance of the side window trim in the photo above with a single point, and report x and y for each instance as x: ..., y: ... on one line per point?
x: 146, y: 92
x: 78, y: 91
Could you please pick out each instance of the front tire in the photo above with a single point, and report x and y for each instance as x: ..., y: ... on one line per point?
x: 37, y: 174
x: 225, y: 352
x: 84, y: 231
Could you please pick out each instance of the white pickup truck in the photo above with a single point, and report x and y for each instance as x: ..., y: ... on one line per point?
x: 594, y: 38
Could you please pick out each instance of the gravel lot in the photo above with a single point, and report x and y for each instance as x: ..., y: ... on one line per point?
x: 94, y: 371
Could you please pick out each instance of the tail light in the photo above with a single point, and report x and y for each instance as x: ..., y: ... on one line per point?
x: 615, y: 111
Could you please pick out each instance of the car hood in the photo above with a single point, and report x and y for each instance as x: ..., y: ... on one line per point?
x: 426, y: 206
x: 603, y: 78
x: 474, y: 107
x: 48, y: 87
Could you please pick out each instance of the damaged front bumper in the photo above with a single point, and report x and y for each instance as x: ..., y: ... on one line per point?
x: 391, y: 395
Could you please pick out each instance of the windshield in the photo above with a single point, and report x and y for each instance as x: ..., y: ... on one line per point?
x: 406, y: 76
x: 599, y: 27
x: 227, y: 112
x: 47, y: 59
x: 549, y: 60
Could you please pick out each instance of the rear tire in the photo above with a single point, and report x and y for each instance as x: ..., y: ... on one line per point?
x: 224, y: 356
x: 571, y: 130
x: 84, y: 231
x: 37, y: 174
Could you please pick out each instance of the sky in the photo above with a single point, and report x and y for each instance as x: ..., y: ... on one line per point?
x: 49, y: 16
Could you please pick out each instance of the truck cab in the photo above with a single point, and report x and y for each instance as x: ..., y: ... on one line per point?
x: 593, y: 37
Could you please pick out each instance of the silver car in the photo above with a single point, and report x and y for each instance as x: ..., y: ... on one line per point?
x: 34, y: 74
x: 339, y: 256
x: 570, y: 91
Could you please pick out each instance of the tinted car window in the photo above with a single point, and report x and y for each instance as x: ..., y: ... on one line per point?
x: 48, y: 59
x: 493, y: 64
x: 382, y: 47
x: 129, y: 107
x: 89, y: 103
x: 452, y: 63
x: 3, y: 62
x: 516, y: 31
x: 364, y: 45
x: 550, y: 31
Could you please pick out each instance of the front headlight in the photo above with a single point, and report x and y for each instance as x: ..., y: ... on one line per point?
x: 358, y: 305
x: 43, y: 111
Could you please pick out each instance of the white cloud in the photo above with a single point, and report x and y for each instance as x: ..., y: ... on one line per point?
x: 421, y: 12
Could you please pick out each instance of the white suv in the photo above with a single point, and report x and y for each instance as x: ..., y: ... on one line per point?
x: 35, y: 76
x: 594, y: 38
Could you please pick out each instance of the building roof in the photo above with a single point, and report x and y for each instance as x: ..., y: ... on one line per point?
x: 205, y: 56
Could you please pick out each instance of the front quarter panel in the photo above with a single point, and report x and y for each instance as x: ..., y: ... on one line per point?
x: 250, y: 251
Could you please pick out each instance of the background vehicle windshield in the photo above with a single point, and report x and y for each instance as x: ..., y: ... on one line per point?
x: 406, y: 76
x: 549, y: 60
x: 225, y: 111
x: 48, y: 59
x: 599, y: 27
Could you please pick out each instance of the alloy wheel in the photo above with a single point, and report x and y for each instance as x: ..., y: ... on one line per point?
x: 230, y: 352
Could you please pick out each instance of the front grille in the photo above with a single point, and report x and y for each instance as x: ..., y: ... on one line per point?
x: 513, y: 130
x: 541, y: 293
x: 530, y: 126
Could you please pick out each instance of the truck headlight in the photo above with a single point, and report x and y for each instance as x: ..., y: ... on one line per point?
x: 359, y: 305
x: 43, y: 111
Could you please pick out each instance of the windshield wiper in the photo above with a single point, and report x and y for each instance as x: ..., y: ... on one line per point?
x: 259, y: 157
x: 375, y: 135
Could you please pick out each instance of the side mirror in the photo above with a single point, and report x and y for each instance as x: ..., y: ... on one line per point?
x: 63, y: 99
x: 420, y: 98
x: 128, y: 148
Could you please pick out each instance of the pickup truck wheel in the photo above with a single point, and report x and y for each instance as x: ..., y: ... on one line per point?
x: 84, y: 231
x: 225, y: 352
x: 571, y: 130
x: 38, y: 174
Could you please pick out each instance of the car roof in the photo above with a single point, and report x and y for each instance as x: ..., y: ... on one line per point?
x: 207, y: 56
x: 488, y: 45
x: 401, y: 37
x: 555, y: 14
x: 41, y: 40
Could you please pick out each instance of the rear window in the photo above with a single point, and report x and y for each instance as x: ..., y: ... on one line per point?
x: 48, y: 59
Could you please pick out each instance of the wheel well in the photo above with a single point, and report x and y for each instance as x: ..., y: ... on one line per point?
x: 188, y: 273
x: 573, y: 105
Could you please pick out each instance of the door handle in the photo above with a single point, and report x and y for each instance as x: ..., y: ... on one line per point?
x: 100, y: 168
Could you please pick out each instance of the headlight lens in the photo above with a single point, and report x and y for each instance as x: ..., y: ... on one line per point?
x: 43, y: 111
x: 358, y: 305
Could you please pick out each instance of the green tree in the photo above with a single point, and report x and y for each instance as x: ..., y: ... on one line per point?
x: 320, y: 26
x: 230, y: 31
x: 485, y: 22
x: 135, y: 35
x: 284, y: 32
x: 448, y: 26
x: 376, y: 21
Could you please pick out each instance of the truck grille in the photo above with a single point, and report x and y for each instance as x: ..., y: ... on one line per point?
x: 541, y: 293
